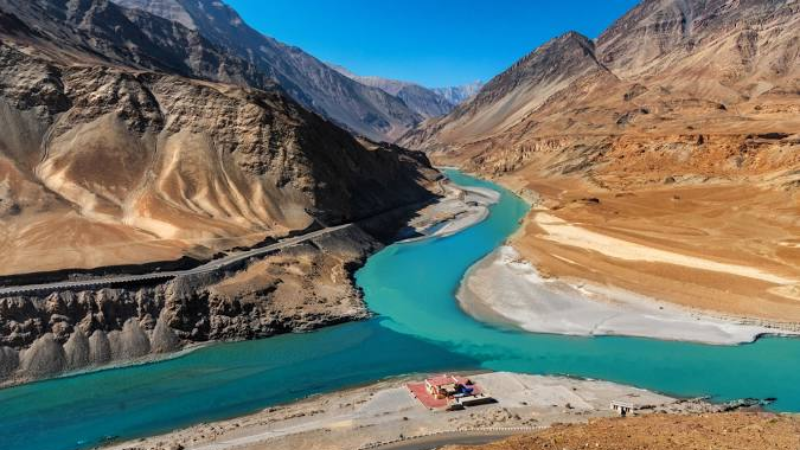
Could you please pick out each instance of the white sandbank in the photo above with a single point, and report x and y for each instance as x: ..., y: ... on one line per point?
x: 504, y: 288
x: 459, y: 209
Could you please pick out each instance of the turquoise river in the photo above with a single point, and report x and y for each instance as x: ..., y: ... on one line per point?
x: 418, y: 328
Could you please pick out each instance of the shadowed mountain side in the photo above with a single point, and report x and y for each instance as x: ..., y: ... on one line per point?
x: 365, y: 110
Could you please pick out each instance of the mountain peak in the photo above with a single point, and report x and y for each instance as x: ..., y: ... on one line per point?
x: 169, y: 9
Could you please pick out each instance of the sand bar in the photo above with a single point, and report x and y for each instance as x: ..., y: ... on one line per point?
x: 460, y: 208
x: 505, y: 288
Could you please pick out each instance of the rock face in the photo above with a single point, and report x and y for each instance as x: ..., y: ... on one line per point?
x: 297, y: 289
x: 363, y: 109
x: 123, y: 154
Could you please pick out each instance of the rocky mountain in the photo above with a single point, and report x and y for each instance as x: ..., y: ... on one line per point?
x: 667, y: 67
x: 189, y: 150
x: 364, y: 110
x: 513, y: 95
x: 459, y: 94
x: 133, y: 142
x: 425, y: 102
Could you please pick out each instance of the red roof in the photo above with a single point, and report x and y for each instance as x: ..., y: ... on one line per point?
x: 422, y: 394
x: 442, y: 380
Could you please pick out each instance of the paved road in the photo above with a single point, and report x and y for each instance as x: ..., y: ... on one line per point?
x: 205, y: 268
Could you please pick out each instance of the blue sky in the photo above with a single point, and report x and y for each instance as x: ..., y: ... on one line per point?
x: 435, y: 42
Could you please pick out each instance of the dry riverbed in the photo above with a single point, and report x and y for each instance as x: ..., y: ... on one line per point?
x: 386, y: 411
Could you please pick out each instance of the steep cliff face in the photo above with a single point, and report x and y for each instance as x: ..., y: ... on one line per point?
x: 99, y: 32
x: 301, y: 288
x: 363, y: 109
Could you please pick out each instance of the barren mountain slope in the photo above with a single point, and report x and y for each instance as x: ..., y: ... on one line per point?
x: 677, y: 131
x: 511, y: 96
x: 105, y: 163
x: 365, y: 110
x: 741, y: 431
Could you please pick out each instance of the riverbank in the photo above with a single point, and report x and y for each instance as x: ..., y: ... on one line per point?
x: 506, y: 289
x: 417, y: 327
x: 459, y: 208
x: 387, y: 412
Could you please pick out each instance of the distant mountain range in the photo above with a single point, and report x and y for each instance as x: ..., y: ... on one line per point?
x: 362, y: 109
x: 460, y: 94
x: 428, y: 103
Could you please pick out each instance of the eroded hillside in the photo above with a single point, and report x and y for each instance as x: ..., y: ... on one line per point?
x: 106, y: 165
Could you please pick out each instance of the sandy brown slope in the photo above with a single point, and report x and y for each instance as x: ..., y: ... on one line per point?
x: 126, y: 150
x: 738, y: 431
x: 675, y: 131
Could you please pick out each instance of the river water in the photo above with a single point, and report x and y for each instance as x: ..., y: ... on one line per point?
x: 419, y: 328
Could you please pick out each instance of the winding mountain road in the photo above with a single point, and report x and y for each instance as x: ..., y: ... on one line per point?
x: 211, y: 266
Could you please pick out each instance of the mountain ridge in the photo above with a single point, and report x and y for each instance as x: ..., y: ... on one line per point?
x: 362, y: 109
x: 676, y: 130
x: 198, y: 148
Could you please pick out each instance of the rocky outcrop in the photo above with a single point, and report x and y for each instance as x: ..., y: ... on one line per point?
x: 298, y: 289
